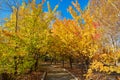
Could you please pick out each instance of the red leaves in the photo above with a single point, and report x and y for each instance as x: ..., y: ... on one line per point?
x: 96, y: 36
x: 96, y: 24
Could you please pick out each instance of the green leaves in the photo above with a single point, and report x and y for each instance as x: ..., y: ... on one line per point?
x: 36, y: 38
x: 21, y: 50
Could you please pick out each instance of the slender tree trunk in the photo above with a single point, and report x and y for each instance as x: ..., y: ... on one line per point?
x: 77, y: 63
x: 34, y: 67
x: 16, y: 30
x: 55, y: 62
x: 36, y: 64
x: 51, y: 60
x: 55, y: 59
x: 63, y: 62
x: 87, y: 63
x: 16, y: 24
x: 70, y: 62
x: 15, y: 65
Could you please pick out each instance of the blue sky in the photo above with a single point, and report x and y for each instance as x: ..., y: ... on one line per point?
x: 63, y: 5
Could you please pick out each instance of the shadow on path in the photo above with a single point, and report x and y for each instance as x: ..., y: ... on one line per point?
x: 56, y: 73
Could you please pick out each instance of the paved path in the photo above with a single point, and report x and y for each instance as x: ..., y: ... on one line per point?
x: 56, y: 73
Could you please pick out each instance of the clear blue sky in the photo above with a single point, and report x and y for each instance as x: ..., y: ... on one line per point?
x: 63, y: 5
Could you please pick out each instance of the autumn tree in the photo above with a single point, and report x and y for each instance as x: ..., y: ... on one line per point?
x: 79, y: 41
x: 107, y: 14
x: 26, y: 37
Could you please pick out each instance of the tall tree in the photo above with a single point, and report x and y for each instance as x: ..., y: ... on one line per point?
x: 107, y: 14
x: 26, y: 34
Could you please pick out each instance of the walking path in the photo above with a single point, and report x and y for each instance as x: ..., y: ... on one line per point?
x: 55, y: 73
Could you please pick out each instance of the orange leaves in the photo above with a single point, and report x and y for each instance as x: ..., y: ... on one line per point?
x: 69, y: 33
x: 96, y: 36
x: 66, y: 27
x: 6, y: 33
x: 75, y: 38
x: 96, y: 25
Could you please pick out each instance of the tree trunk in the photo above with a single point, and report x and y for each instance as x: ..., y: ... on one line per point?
x: 87, y: 63
x: 70, y: 62
x: 15, y: 65
x: 51, y: 60
x: 34, y: 67
x: 63, y: 63
x: 16, y: 30
x: 55, y: 61
x: 36, y: 64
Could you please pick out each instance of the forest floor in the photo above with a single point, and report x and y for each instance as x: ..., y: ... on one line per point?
x: 58, y: 73
x: 35, y: 75
x: 54, y: 71
x: 76, y: 71
x: 32, y: 76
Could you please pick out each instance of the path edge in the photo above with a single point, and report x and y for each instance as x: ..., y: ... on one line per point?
x: 44, y: 76
x: 71, y: 74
